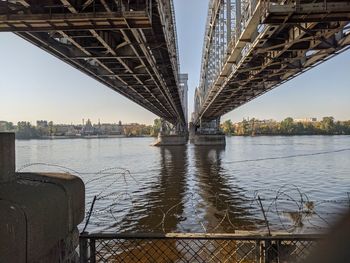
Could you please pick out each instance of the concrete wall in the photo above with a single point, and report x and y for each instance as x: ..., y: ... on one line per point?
x: 7, y: 157
x: 39, y: 217
x: 39, y: 213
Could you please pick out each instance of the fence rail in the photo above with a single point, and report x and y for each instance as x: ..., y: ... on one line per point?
x: 159, y: 248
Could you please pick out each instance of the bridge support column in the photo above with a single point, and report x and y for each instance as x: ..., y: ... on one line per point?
x: 208, y: 133
x: 39, y: 212
x: 172, y: 137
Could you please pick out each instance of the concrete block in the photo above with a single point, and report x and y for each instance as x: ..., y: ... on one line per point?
x: 64, y: 251
x: 46, y: 211
x: 12, y: 233
x: 73, y: 187
x: 52, y: 205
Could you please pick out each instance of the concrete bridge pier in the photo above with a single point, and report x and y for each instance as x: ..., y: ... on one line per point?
x: 39, y: 212
x: 172, y: 137
x: 171, y: 140
x: 208, y: 133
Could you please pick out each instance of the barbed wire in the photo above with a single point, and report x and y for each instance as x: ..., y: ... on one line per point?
x: 289, y: 156
x: 287, y: 209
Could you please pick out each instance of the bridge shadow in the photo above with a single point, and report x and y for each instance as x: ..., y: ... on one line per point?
x: 165, y: 200
x: 220, y: 205
x: 173, y: 203
x: 162, y: 212
x: 225, y: 207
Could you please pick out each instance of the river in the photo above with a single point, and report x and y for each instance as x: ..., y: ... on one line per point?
x: 303, y: 182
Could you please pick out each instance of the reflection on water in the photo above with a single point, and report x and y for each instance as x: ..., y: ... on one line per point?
x: 214, y: 206
x: 160, y: 209
x: 303, y: 182
x: 222, y: 206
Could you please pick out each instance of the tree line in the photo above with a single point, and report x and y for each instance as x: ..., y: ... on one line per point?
x: 256, y: 127
x: 252, y: 127
x: 25, y: 130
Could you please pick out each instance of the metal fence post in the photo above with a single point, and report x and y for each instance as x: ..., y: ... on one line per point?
x: 92, y: 250
x: 83, y: 250
x: 257, y: 251
x: 267, y: 251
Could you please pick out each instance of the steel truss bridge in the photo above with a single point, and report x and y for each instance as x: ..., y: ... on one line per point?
x: 128, y: 45
x: 253, y: 46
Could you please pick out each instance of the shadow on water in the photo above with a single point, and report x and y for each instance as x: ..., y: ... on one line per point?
x: 220, y: 207
x: 224, y: 206
x: 164, y: 203
x: 162, y: 212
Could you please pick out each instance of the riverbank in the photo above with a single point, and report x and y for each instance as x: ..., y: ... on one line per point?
x: 289, y: 126
x: 283, y: 135
x: 149, y: 136
x: 83, y: 137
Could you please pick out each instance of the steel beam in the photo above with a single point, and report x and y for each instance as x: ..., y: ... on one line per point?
x: 74, y: 21
x: 277, y: 42
x: 131, y: 51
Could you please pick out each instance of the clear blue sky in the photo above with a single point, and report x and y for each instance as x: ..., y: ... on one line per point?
x: 35, y: 85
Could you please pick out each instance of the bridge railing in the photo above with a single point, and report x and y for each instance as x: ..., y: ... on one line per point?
x: 241, y: 13
x: 167, y: 15
x: 195, y: 248
x: 256, y: 21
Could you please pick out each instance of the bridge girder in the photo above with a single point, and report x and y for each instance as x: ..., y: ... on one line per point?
x: 273, y: 43
x: 130, y: 46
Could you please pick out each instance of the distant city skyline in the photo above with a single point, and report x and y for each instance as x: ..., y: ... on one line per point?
x: 83, y: 121
x: 35, y: 85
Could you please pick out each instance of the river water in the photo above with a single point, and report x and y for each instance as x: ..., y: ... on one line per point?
x: 303, y: 182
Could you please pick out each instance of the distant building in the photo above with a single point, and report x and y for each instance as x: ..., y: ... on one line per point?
x: 183, y: 93
x: 61, y: 129
x: 42, y: 127
x: 41, y: 124
x: 88, y: 129
x: 111, y: 129
x: 306, y: 120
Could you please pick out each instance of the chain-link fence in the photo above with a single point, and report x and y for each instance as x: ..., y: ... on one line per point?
x: 206, y: 248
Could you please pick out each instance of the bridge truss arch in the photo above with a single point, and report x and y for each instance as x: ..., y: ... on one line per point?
x: 253, y: 46
x: 129, y: 46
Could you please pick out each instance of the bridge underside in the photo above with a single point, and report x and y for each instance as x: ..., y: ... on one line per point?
x: 279, y: 43
x: 128, y: 45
